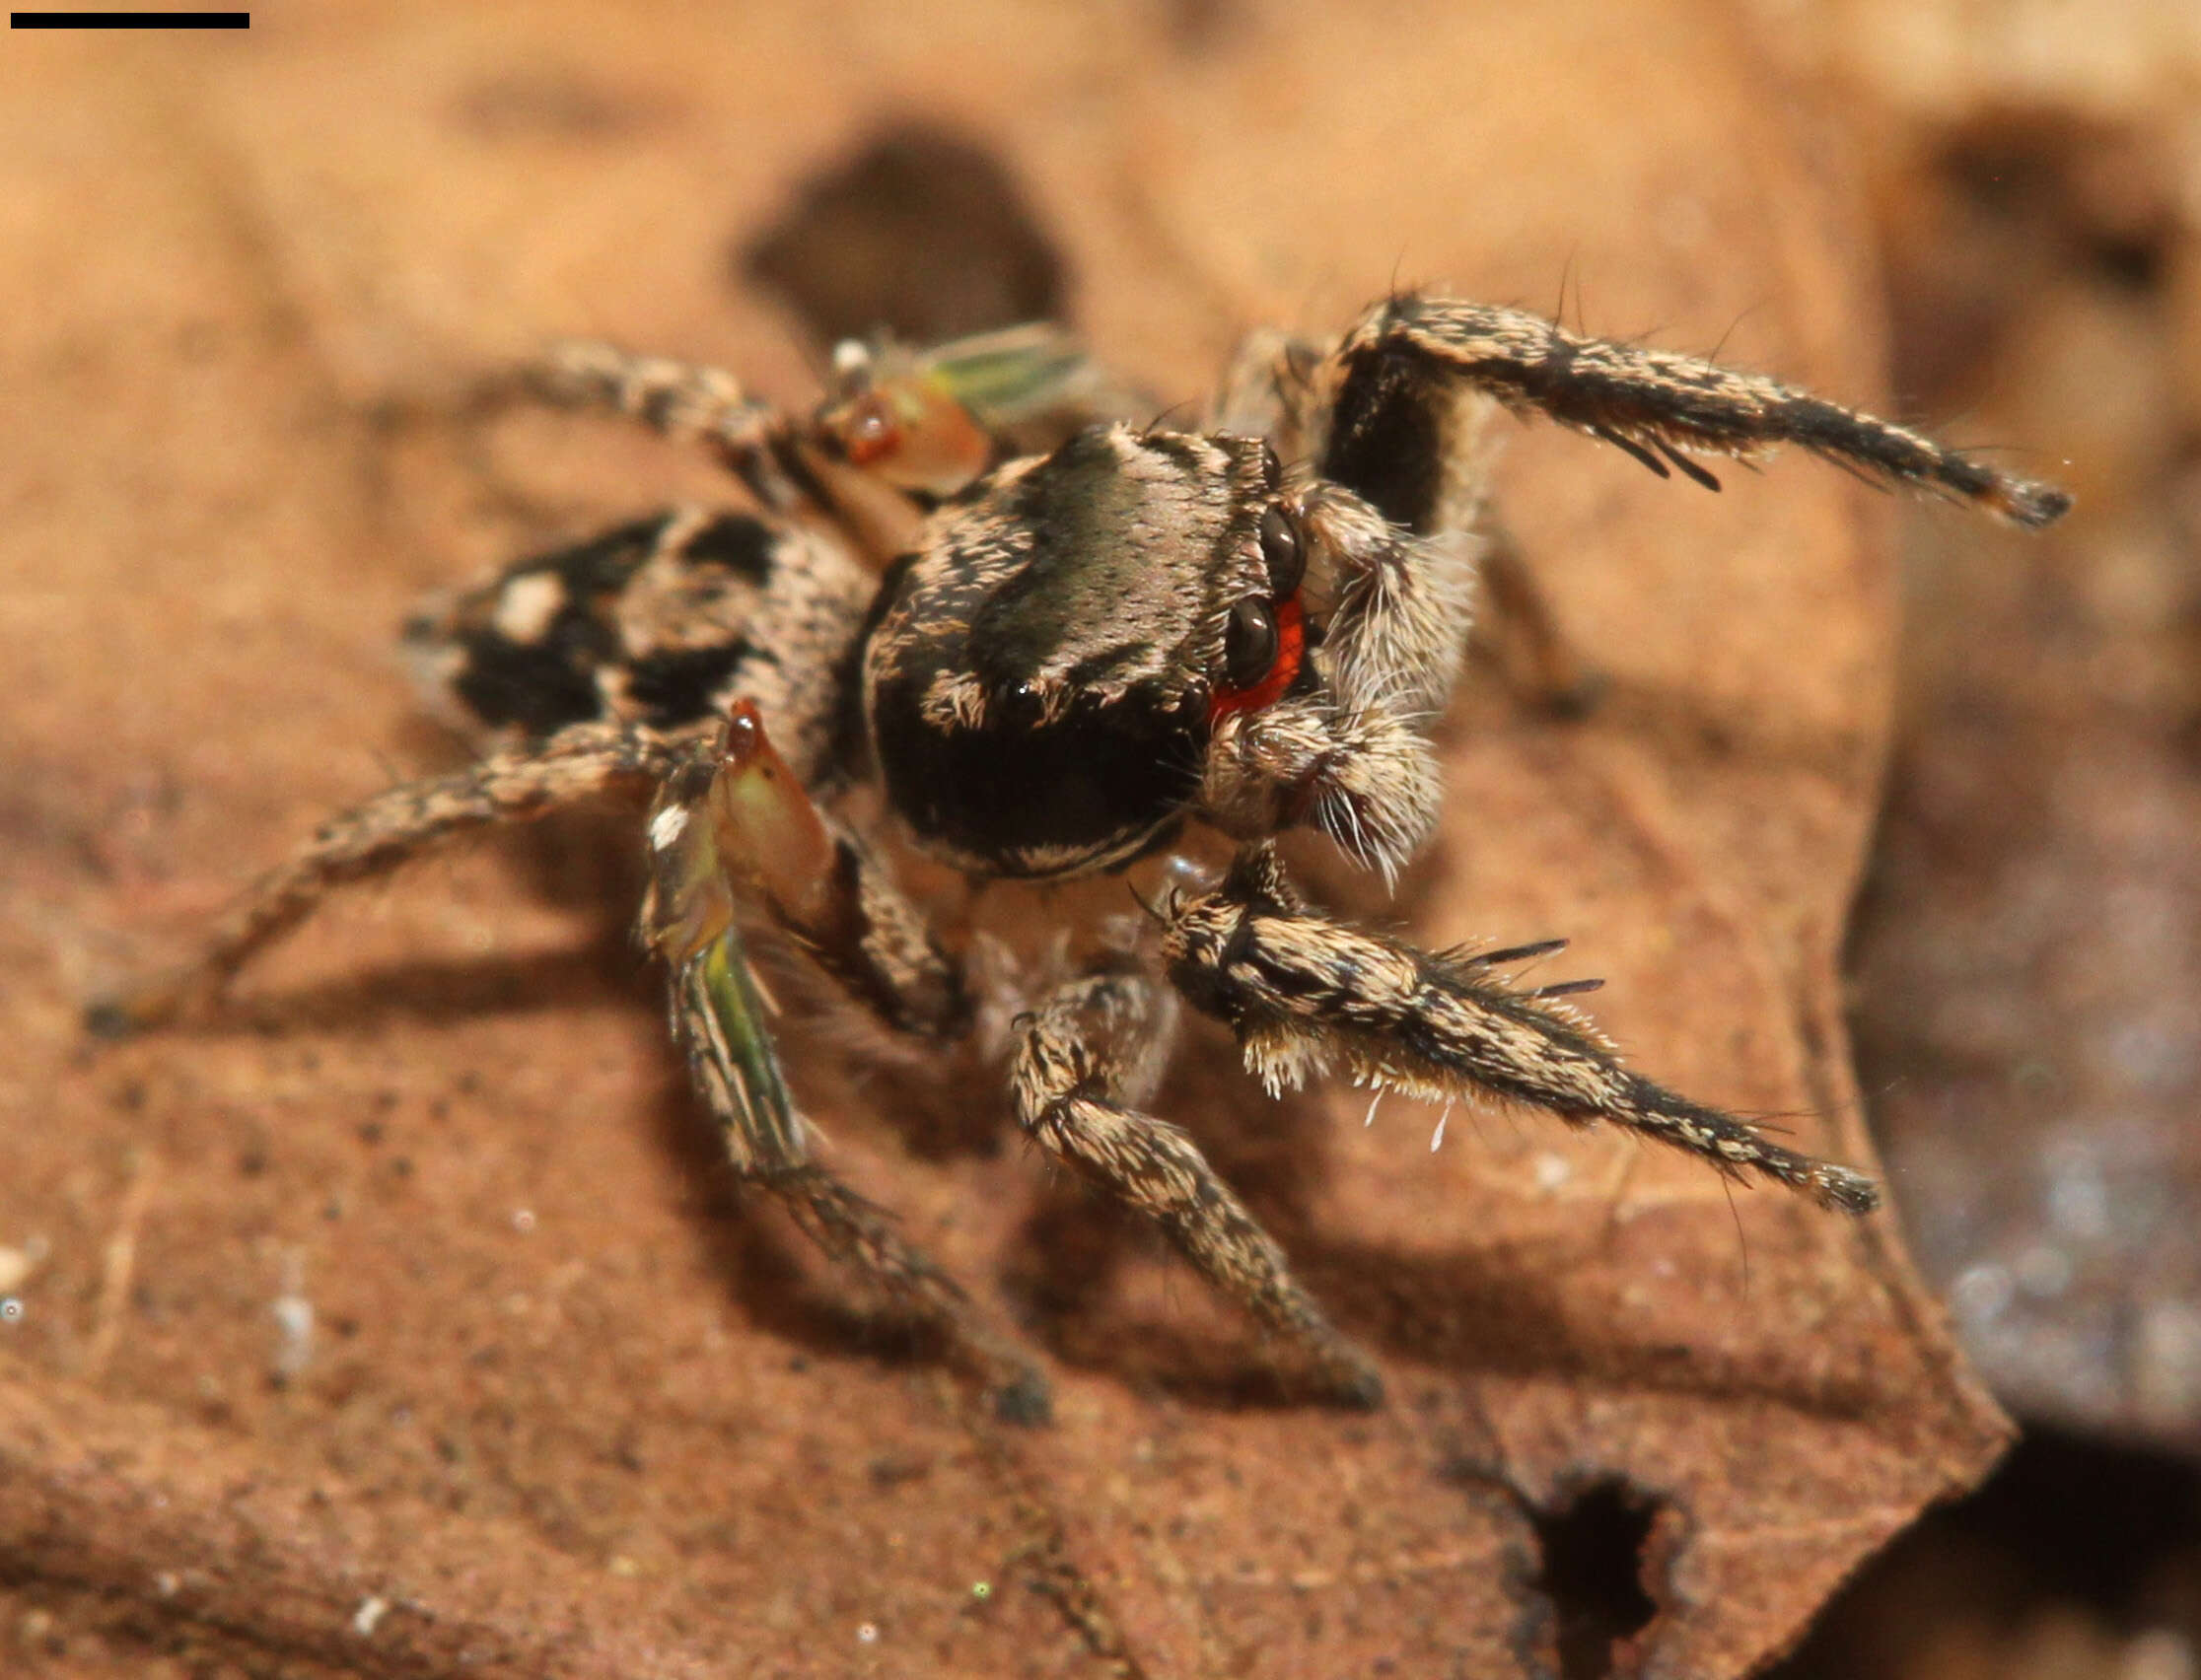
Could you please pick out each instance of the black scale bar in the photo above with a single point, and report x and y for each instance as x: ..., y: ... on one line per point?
x: 129, y: 20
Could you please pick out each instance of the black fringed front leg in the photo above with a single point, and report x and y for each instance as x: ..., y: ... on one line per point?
x: 1393, y: 425
x: 1305, y: 993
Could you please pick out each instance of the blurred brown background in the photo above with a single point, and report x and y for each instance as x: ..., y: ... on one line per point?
x: 400, y: 1322
x: 2026, y: 961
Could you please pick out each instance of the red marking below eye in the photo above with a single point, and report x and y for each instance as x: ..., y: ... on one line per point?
x: 1291, y: 648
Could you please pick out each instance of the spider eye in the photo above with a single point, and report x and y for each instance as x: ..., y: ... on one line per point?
x: 1019, y: 705
x: 867, y: 431
x: 1249, y: 647
x: 1280, y: 547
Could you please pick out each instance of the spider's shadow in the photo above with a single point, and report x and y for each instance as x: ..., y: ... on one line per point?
x: 1495, y: 1307
x: 1489, y: 1308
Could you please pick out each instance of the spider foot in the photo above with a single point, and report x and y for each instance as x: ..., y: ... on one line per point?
x: 1345, y: 1378
x: 1021, y: 1395
x: 140, y: 1004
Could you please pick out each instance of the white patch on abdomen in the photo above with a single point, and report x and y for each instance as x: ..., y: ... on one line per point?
x: 527, y: 605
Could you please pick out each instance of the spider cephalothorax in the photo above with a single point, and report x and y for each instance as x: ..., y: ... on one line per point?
x: 1038, y: 680
x: 1141, y: 626
x: 1054, y: 640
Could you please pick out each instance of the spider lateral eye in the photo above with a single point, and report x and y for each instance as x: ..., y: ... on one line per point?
x: 1280, y: 547
x: 1262, y: 649
x: 1250, y: 648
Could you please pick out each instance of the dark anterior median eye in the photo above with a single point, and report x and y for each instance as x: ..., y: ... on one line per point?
x: 1250, y: 648
x: 1280, y: 547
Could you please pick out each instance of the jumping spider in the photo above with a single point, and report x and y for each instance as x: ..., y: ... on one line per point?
x: 980, y: 614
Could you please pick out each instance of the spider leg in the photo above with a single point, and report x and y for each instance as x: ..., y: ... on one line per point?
x: 734, y: 835
x: 687, y: 401
x: 1401, y: 605
x: 584, y: 762
x: 1395, y: 379
x: 719, y: 1020
x: 1085, y: 1061
x: 735, y: 839
x: 1305, y: 992
x: 898, y: 430
x: 1268, y: 391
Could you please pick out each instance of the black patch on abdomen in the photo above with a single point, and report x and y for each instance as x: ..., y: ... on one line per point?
x: 603, y: 564
x: 674, y: 688
x: 740, y: 542
x: 560, y: 676
x: 540, y: 686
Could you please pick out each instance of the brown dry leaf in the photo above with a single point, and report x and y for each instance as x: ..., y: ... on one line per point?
x: 2029, y: 970
x: 563, y: 1411
x: 2027, y: 976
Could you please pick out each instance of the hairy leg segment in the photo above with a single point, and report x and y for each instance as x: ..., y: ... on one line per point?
x: 719, y: 1020
x: 585, y: 762
x: 1391, y: 384
x: 1306, y: 993
x: 1084, y: 1063
x: 735, y: 841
